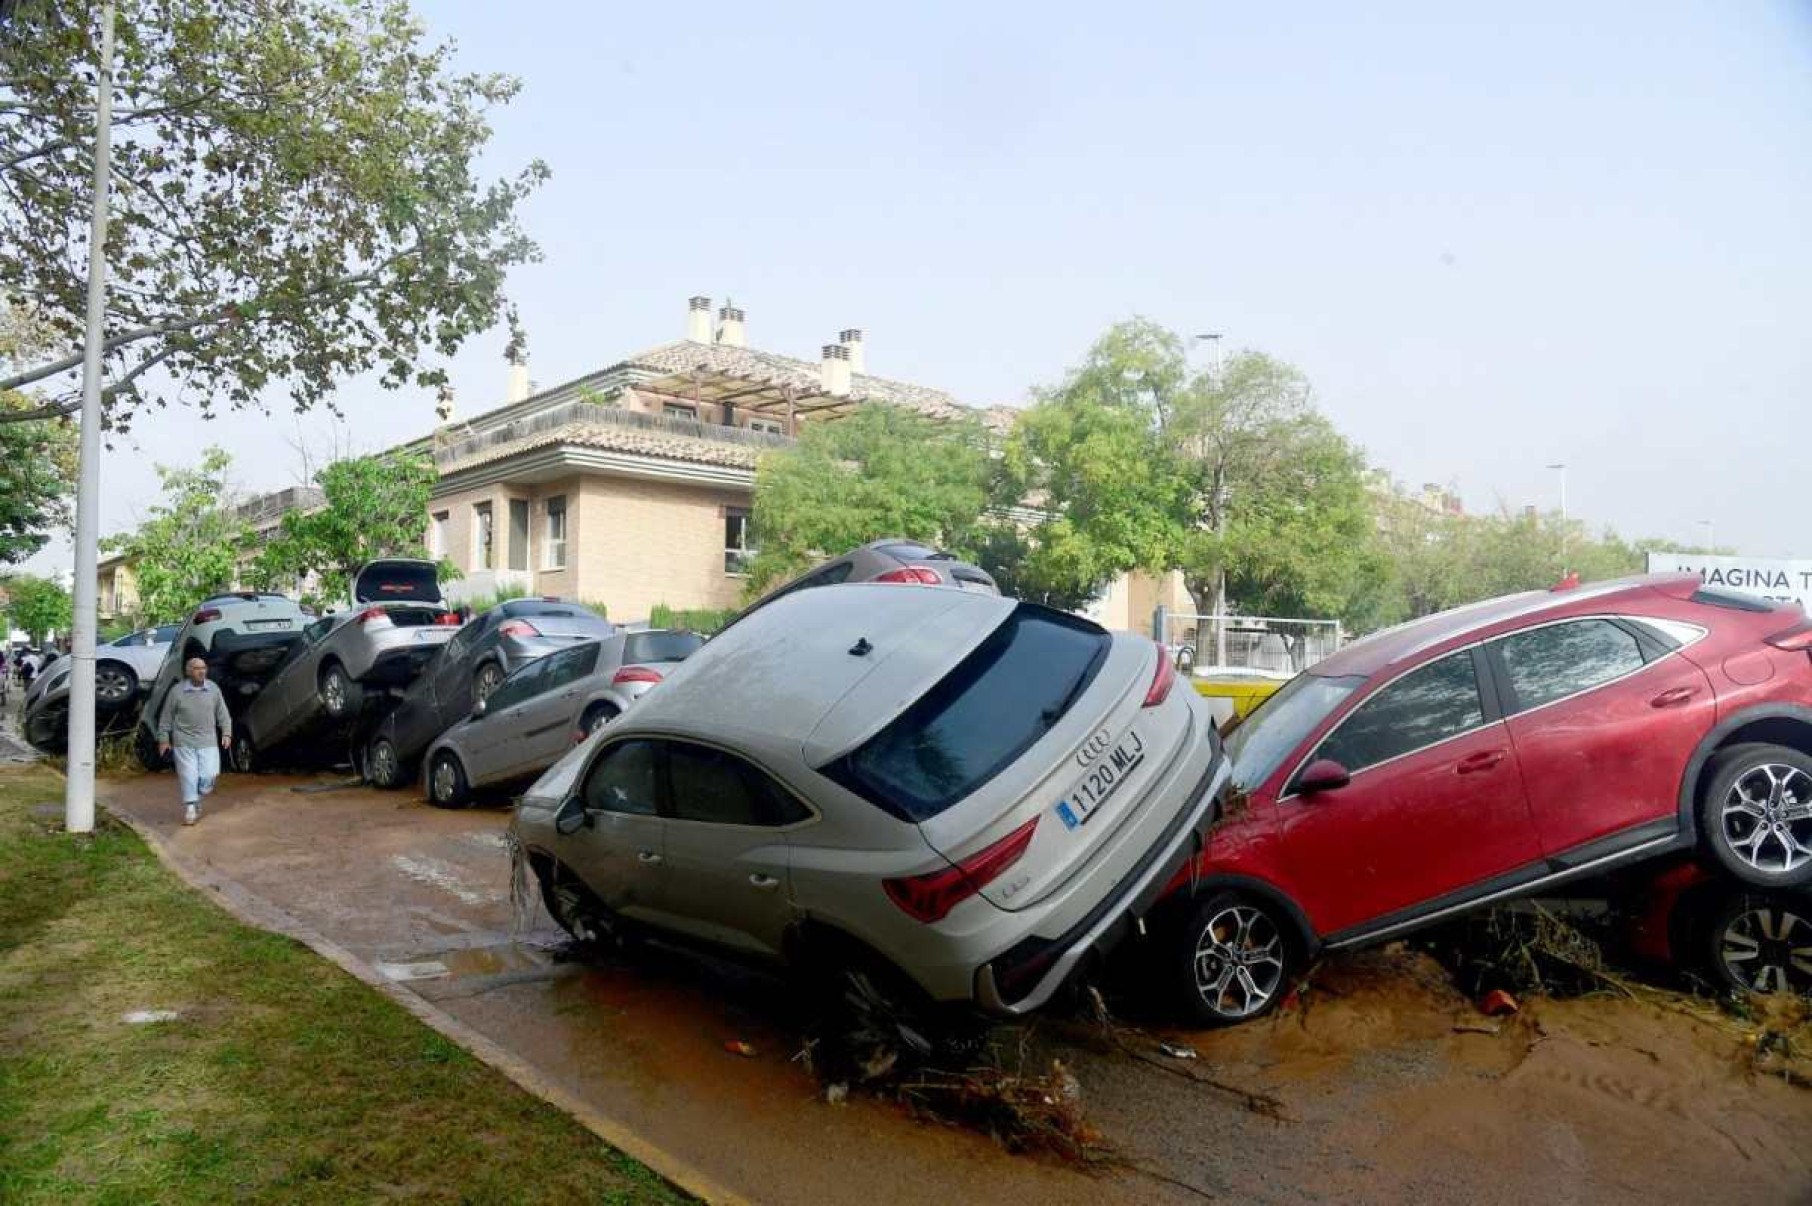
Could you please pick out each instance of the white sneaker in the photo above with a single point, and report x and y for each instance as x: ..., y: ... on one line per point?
x: 190, y: 814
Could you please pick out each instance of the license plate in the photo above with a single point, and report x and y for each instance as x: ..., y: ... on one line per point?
x: 1106, y: 771
x: 265, y: 624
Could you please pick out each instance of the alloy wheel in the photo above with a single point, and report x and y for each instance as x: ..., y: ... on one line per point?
x: 333, y: 693
x: 1768, y: 948
x: 602, y: 717
x: 446, y: 779
x: 383, y: 763
x: 487, y: 680
x: 112, y: 684
x: 1239, y: 961
x: 1767, y: 817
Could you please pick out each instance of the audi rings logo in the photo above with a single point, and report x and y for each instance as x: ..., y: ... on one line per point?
x: 1094, y: 747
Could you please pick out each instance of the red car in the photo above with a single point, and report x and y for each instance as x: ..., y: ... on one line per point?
x: 1499, y: 750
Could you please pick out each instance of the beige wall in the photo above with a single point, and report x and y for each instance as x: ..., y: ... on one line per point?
x: 1131, y: 599
x: 640, y: 543
x: 118, y: 590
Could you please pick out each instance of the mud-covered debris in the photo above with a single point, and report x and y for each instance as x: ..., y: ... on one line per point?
x: 1498, y: 1004
x: 836, y: 1094
x: 1023, y: 1113
x: 1177, y: 1051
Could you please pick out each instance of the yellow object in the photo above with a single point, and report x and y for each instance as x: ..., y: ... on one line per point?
x: 1243, y: 692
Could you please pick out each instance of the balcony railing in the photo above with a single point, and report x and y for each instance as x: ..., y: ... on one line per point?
x: 597, y: 414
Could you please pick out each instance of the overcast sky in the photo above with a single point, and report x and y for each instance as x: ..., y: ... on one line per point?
x: 1494, y: 239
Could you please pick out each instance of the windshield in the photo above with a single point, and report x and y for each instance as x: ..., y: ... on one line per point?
x: 1273, y: 732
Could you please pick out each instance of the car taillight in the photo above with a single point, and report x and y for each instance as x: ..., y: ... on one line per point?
x: 636, y: 674
x: 1797, y: 639
x: 448, y: 618
x: 206, y: 615
x: 1162, y: 681
x: 930, y: 897
x: 368, y: 615
x: 916, y: 575
x: 519, y: 628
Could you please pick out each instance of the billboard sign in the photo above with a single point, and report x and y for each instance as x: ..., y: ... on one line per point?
x: 1774, y: 578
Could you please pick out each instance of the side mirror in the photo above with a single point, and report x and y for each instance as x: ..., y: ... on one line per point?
x: 1323, y: 774
x: 572, y: 817
x: 479, y: 707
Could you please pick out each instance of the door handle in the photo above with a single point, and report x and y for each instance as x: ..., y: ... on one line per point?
x: 1672, y: 698
x: 766, y: 883
x: 649, y: 858
x: 1484, y: 760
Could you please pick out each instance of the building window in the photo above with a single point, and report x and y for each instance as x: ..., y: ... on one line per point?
x: 738, y: 540
x: 678, y: 410
x: 437, y: 534
x: 484, y: 538
x: 519, y: 528
x: 556, y: 532
x: 771, y: 426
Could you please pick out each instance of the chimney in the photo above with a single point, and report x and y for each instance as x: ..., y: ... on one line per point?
x: 518, y: 388
x: 698, y: 320
x: 851, y: 339
x: 833, y: 370
x: 730, y: 331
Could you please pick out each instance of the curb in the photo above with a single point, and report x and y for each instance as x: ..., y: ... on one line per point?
x: 254, y: 910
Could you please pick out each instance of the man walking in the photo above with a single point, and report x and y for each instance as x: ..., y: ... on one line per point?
x: 195, y: 723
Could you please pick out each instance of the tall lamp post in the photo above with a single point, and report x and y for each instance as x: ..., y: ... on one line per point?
x: 78, y: 791
x: 1561, y: 467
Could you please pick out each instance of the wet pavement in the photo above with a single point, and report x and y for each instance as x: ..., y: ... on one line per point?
x: 1387, y: 1089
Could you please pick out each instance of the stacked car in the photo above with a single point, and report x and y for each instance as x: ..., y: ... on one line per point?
x: 123, y: 671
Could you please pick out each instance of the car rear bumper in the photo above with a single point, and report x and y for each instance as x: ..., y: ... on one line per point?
x: 393, y: 658
x: 1029, y: 973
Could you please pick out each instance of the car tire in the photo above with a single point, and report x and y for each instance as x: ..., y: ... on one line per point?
x: 1234, y: 958
x: 575, y: 909
x: 1756, y: 815
x: 114, y: 684
x: 447, y: 786
x: 340, y: 696
x: 244, y: 755
x: 485, y: 680
x: 383, y: 767
x: 597, y: 716
x: 1760, y: 943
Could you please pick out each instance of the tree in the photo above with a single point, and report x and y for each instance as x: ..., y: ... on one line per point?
x: 37, y: 459
x: 37, y: 605
x: 295, y: 200
x: 883, y: 471
x: 1089, y: 460
x: 375, y: 507
x: 192, y: 544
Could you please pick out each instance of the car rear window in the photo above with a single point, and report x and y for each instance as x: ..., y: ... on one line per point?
x: 908, y: 551
x: 545, y: 607
x: 661, y: 646
x: 980, y: 717
x: 398, y: 581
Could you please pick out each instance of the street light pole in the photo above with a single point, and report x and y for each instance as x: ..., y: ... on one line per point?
x: 1561, y: 466
x: 78, y: 791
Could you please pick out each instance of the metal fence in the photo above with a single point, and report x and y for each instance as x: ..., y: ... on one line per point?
x: 1266, y: 644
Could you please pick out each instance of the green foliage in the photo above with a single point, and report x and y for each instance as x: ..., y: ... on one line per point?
x: 699, y: 619
x: 883, y: 471
x: 502, y: 594
x: 191, y: 545
x: 37, y: 459
x: 297, y: 199
x: 375, y: 507
x: 38, y: 606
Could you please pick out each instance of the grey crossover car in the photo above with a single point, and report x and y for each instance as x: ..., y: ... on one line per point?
x: 469, y: 668
x: 123, y: 668
x: 541, y: 709
x: 396, y: 624
x: 958, y: 793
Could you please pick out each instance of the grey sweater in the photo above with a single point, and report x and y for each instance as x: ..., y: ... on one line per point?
x: 191, y: 714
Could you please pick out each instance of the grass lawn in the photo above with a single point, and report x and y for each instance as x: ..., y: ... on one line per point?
x: 282, y: 1078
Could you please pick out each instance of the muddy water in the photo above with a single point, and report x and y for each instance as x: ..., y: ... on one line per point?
x: 1388, y: 1093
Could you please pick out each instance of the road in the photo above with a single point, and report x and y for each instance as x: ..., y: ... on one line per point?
x: 1382, y: 1099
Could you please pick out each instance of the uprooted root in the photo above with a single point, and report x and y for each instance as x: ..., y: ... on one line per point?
x: 1023, y: 1113
x: 1525, y: 950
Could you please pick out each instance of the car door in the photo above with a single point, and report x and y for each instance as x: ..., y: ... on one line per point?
x: 545, y: 725
x: 1434, y: 810
x: 1604, y: 720
x: 726, y: 851
x: 492, y: 744
x: 620, y: 851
